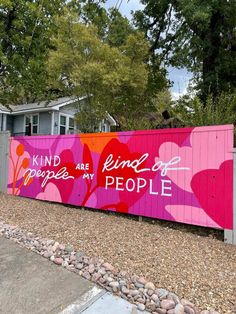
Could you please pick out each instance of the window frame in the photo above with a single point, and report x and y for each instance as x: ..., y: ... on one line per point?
x: 67, y: 125
x: 30, y: 116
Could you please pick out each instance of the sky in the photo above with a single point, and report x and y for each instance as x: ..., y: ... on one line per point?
x: 179, y: 77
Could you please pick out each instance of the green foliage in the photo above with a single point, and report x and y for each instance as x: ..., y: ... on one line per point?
x: 199, y: 35
x: 118, y: 28
x: 193, y: 112
x: 25, y: 31
x: 113, y: 79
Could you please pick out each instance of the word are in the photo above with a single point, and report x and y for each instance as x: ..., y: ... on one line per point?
x: 82, y: 166
x: 130, y: 185
x: 137, y: 164
x: 46, y: 175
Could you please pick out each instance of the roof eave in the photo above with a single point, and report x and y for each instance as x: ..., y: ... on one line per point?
x: 111, y: 119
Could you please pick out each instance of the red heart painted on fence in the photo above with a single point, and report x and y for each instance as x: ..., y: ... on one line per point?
x: 216, y: 197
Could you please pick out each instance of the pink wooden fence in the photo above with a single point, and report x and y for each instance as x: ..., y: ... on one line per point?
x: 183, y: 175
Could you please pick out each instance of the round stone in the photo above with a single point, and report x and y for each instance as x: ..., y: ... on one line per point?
x: 109, y: 279
x: 141, y: 307
x: 86, y: 275
x: 61, y: 247
x: 79, y: 255
x: 141, y: 300
x: 69, y: 248
x: 122, y: 283
x: 138, y: 285
x: 91, y: 268
x: 114, y: 284
x: 142, y: 281
x: 108, y: 266
x: 179, y: 309
x: 58, y: 260
x: 65, y: 264
x: 96, y: 277
x: 133, y: 293
x: 150, y: 306
x: 174, y: 297
x: 167, y: 304
x: 125, y: 290
x: 150, y: 292
x: 102, y: 271
x: 52, y: 258
x: 162, y: 293
x: 48, y: 254
x: 189, y: 310
x: 149, y: 286
x: 79, y: 266
x: 154, y: 297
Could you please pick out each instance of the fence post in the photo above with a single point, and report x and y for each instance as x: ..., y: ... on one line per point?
x: 4, y: 152
x: 230, y: 235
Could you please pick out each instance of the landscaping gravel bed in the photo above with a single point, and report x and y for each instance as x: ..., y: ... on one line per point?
x: 191, y: 262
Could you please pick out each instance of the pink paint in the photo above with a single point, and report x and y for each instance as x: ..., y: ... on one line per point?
x: 183, y: 175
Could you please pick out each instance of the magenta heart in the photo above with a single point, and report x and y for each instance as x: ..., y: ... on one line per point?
x: 214, y: 191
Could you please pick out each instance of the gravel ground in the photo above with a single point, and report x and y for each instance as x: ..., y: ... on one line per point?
x: 192, y: 262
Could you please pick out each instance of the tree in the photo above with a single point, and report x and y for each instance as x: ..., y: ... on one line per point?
x: 199, y: 35
x: 25, y: 31
x: 193, y: 112
x: 118, y: 28
x: 114, y: 29
x: 113, y: 79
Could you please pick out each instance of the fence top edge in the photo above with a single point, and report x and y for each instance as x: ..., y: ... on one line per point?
x: 215, y: 128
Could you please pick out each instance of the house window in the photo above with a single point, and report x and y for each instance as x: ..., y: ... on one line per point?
x: 62, y: 124
x: 32, y: 124
x: 35, y: 124
x: 71, y: 125
x: 67, y: 124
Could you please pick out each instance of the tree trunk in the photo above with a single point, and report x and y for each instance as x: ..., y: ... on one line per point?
x: 211, y: 58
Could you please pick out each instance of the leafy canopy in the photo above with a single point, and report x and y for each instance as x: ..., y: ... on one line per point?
x: 113, y: 79
x: 25, y: 31
x: 199, y: 35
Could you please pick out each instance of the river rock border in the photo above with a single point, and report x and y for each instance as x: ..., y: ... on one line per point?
x: 137, y: 290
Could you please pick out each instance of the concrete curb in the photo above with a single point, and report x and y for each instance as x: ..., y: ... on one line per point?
x: 84, y: 301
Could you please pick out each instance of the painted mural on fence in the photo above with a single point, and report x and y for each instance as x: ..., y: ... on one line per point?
x: 183, y: 175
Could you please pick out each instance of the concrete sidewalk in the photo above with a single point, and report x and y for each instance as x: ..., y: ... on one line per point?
x: 30, y: 284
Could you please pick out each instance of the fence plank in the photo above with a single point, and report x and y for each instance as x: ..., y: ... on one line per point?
x: 4, y: 147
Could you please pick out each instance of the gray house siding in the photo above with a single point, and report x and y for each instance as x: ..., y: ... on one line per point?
x: 10, y: 123
x: 45, y: 119
x: 56, y: 122
x: 18, y: 125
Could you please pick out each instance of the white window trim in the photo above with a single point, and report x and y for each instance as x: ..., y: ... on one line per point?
x: 67, y: 116
x: 102, y: 125
x: 52, y: 122
x: 31, y: 121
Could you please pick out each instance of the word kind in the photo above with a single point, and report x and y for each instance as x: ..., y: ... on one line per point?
x: 137, y: 165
